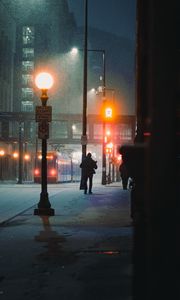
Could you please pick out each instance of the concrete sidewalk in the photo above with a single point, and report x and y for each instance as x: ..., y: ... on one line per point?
x: 15, y: 198
x: 83, y: 252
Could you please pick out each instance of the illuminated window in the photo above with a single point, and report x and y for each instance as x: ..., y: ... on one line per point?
x: 27, y: 106
x: 27, y: 94
x: 27, y: 79
x: 28, y: 53
x: 27, y: 66
x: 28, y: 35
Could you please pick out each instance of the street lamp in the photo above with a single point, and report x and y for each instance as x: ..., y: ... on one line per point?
x: 84, y: 115
x: 74, y: 51
x: 44, y: 82
x: 84, y: 123
x: 26, y: 165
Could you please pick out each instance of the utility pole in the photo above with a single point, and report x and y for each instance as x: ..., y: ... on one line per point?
x: 104, y: 125
x: 20, y: 170
x: 84, y: 123
x: 84, y: 117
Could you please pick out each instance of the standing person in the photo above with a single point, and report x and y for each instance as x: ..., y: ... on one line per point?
x: 124, y: 175
x: 88, y: 166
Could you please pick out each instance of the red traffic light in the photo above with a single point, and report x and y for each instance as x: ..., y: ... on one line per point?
x: 108, y: 113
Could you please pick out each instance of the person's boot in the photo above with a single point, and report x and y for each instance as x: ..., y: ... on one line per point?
x: 85, y: 191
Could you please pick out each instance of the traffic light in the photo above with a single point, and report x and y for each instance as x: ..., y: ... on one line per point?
x: 117, y: 159
x: 108, y: 113
x: 107, y: 138
x: 108, y: 142
x: 109, y: 148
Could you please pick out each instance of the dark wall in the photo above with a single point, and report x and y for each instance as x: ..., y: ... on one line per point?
x: 157, y: 90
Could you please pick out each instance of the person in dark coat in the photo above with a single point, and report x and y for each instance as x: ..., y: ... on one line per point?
x: 88, y: 166
x: 124, y: 175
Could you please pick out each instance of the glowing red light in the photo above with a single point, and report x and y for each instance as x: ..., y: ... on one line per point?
x: 36, y: 171
x: 53, y: 172
x: 119, y: 157
x: 49, y: 156
x: 147, y: 134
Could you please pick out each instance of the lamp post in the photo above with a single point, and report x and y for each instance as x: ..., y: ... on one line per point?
x: 2, y: 153
x: 84, y: 116
x: 84, y: 137
x: 84, y: 123
x: 27, y: 159
x: 111, y: 174
x: 15, y: 156
x: 20, y: 169
x: 44, y: 82
x: 103, y: 180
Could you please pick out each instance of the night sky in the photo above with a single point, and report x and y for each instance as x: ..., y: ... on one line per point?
x: 115, y: 16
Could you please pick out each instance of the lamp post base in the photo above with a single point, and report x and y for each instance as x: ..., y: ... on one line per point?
x: 103, y: 182
x: 44, y: 211
x: 44, y: 206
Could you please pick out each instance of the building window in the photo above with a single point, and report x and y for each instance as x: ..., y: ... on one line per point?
x: 28, y: 35
x: 27, y: 94
x: 26, y: 106
x: 28, y: 53
x: 77, y: 130
x: 27, y: 66
x: 27, y: 79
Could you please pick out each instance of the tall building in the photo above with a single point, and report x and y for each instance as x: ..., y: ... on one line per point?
x: 33, y: 34
x: 7, y: 51
x: 45, y: 30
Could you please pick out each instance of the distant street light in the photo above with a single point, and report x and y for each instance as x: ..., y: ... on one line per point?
x: 44, y: 81
x: 27, y: 157
x: 74, y: 51
x: 15, y: 155
x: 2, y: 153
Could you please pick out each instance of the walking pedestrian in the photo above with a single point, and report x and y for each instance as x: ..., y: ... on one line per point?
x: 124, y: 175
x: 88, y: 166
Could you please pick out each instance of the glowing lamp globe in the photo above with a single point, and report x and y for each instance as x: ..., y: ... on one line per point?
x: 44, y: 81
x: 2, y: 152
x: 74, y: 51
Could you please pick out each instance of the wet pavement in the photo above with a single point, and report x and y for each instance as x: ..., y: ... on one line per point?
x: 83, y: 252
